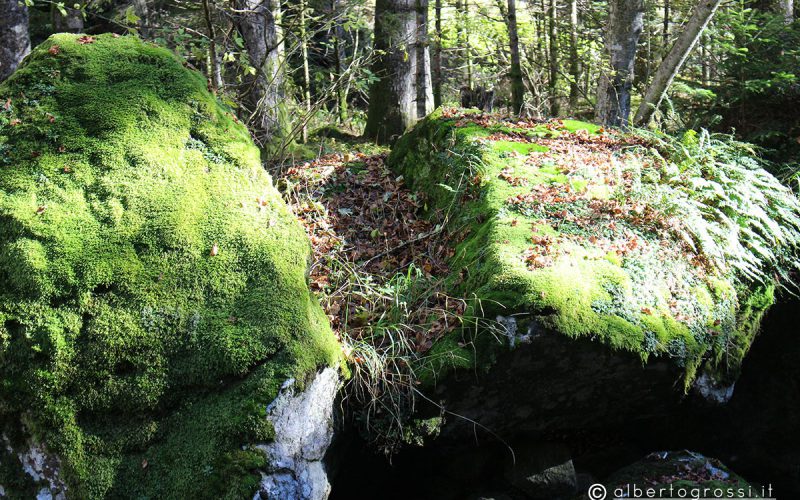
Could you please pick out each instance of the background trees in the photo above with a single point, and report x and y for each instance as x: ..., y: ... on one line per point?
x: 375, y: 66
x: 402, y: 93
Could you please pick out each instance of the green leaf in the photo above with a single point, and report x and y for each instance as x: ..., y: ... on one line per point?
x: 131, y: 17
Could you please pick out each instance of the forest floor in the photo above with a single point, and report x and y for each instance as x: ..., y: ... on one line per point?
x: 378, y: 265
x: 378, y: 269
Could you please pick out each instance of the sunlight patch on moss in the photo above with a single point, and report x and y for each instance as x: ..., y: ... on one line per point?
x: 620, y: 280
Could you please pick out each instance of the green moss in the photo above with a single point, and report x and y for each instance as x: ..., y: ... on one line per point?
x: 652, y: 302
x: 666, y: 473
x: 576, y: 125
x: 523, y: 148
x: 154, y: 292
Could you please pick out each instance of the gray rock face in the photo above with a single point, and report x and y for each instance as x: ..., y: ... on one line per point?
x: 544, y: 472
x: 303, y: 423
x: 712, y: 390
x: 42, y: 466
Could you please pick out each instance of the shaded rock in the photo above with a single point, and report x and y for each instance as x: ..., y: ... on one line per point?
x: 489, y: 496
x: 555, y: 383
x: 680, y: 474
x: 544, y: 472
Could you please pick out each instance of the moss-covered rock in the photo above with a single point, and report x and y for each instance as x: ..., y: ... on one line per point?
x: 154, y: 296
x: 680, y: 474
x: 568, y: 228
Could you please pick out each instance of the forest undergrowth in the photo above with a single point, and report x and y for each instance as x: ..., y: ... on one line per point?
x: 379, y: 270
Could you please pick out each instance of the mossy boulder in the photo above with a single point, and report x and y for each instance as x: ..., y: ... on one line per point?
x: 680, y: 474
x: 605, y: 259
x: 154, y: 294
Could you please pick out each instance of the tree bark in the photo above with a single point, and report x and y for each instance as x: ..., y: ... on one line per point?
x: 306, y: 70
x: 552, y: 34
x: 143, y: 13
x: 261, y: 92
x: 71, y: 23
x: 787, y: 7
x: 15, y: 40
x: 339, y: 49
x: 215, y: 71
x: 625, y: 23
x: 665, y: 30
x: 436, y: 63
x: 402, y: 94
x: 517, y: 85
x: 672, y: 63
x: 462, y: 21
x: 574, y: 61
x: 423, y: 65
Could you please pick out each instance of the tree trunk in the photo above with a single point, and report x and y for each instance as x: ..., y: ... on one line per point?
x: 261, y: 92
x: 215, y: 72
x: 306, y: 70
x: 462, y: 20
x: 517, y: 86
x: 72, y: 22
x: 787, y: 6
x: 423, y: 66
x: 625, y: 23
x: 705, y: 63
x: 665, y: 31
x: 15, y: 41
x: 552, y: 34
x: 436, y: 63
x: 338, y: 47
x: 574, y: 61
x: 402, y: 94
x: 672, y: 63
x: 143, y: 13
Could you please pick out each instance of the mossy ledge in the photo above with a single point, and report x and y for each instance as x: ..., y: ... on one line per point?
x: 566, y: 227
x: 154, y: 292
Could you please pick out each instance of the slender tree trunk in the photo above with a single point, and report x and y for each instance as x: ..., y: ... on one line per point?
x: 468, y: 47
x: 672, y: 63
x: 462, y: 14
x: 436, y: 63
x: 306, y: 69
x: 625, y: 23
x: 461, y: 38
x: 552, y: 34
x: 517, y: 86
x: 665, y: 30
x: 588, y: 73
x: 787, y: 6
x: 215, y: 76
x: 574, y: 61
x: 143, y: 13
x: 338, y: 47
x: 423, y: 64
x: 72, y: 22
x: 704, y: 57
x: 402, y: 94
x: 15, y: 40
x: 262, y: 91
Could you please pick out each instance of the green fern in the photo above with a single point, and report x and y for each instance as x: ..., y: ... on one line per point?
x: 734, y: 213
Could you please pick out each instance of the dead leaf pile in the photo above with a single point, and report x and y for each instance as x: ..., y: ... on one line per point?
x: 366, y: 230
